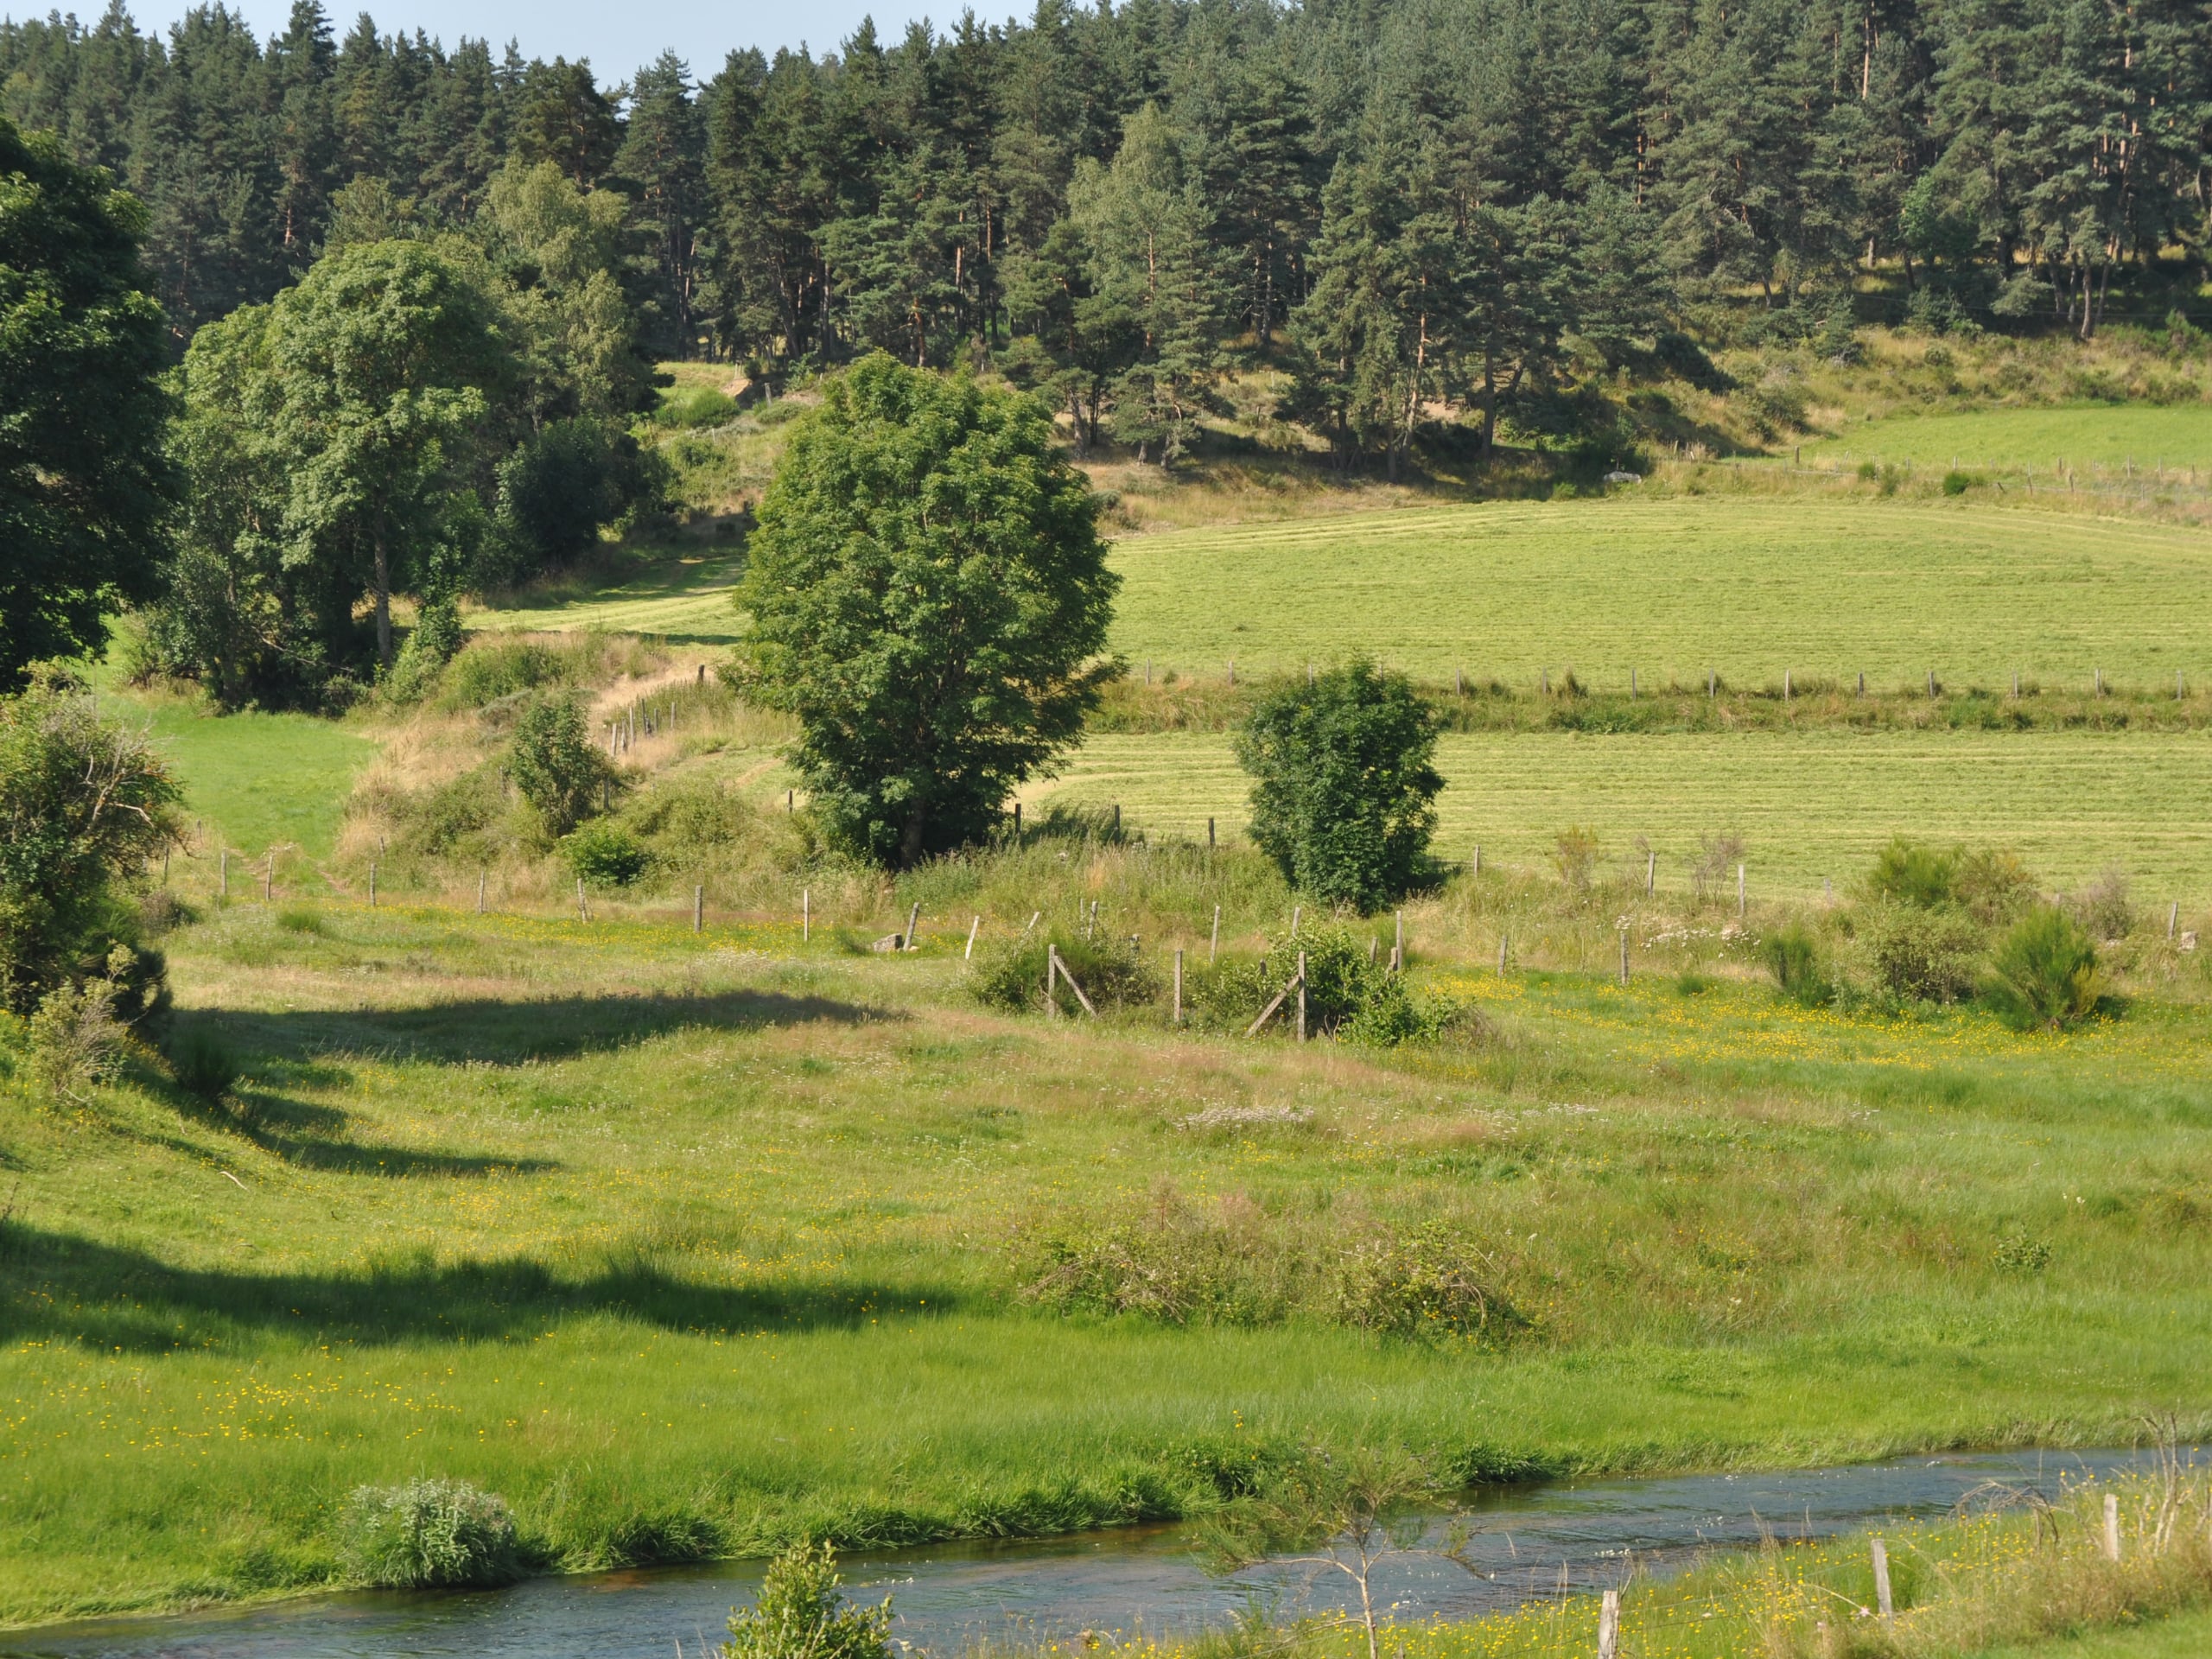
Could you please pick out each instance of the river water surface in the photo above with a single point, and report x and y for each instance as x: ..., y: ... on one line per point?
x: 1528, y: 1543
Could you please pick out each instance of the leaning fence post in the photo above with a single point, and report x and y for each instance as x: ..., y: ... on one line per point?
x: 969, y: 952
x: 2173, y: 919
x: 1295, y: 911
x: 1650, y: 872
x: 2112, y: 1526
x: 1213, y: 946
x: 914, y: 915
x: 1179, y: 985
x: 1882, y: 1600
x: 1608, y: 1625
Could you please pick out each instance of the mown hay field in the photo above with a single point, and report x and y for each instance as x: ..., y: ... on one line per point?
x: 1825, y: 588
x: 2080, y: 437
x: 1810, y: 806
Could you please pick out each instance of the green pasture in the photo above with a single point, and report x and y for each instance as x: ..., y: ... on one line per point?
x: 688, y: 1245
x: 2186, y: 1635
x: 1827, y: 587
x: 256, y: 781
x: 2099, y: 437
x: 1811, y: 806
x: 685, y: 600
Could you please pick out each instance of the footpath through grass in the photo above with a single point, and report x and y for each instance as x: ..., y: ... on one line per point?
x: 687, y: 1246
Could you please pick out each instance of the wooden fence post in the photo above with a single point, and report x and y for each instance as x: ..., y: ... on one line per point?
x: 698, y: 907
x: 1213, y: 946
x: 1608, y: 1625
x: 1398, y: 947
x: 969, y: 954
x: 1740, y: 893
x: 1179, y: 985
x: 2173, y: 919
x: 1301, y: 996
x: 269, y: 876
x: 914, y: 915
x: 480, y: 893
x: 1862, y: 681
x: 1650, y: 872
x: 1623, y: 959
x: 2112, y: 1526
x: 373, y: 884
x: 1209, y: 831
x: 805, y: 915
x: 1295, y: 911
x: 1883, y: 1603
x: 1478, y: 858
x: 1501, y: 954
x: 583, y: 911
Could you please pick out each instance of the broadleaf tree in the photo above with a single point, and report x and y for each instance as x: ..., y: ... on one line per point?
x: 1343, y: 783
x: 928, y: 594
x: 84, y: 487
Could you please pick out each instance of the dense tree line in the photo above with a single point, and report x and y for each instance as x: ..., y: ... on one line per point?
x: 1404, y: 203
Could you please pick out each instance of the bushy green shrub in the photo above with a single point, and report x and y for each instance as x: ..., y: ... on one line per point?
x: 556, y: 767
x: 447, y: 818
x: 1992, y: 886
x: 203, y: 1061
x: 801, y: 1614
x: 1920, y: 954
x: 2044, y: 973
x: 492, y: 670
x: 434, y: 640
x: 85, y: 805
x: 604, y: 854
x: 687, y: 407
x: 75, y: 1038
x: 1427, y: 1283
x: 1792, y: 955
x: 428, y: 1533
x: 1112, y: 972
x: 1344, y: 796
x: 1913, y: 873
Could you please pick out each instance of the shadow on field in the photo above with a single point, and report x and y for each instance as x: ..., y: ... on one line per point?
x: 60, y: 1287
x: 500, y: 1032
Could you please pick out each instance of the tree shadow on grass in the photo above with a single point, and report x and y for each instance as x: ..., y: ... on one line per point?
x: 60, y: 1287
x: 508, y: 1032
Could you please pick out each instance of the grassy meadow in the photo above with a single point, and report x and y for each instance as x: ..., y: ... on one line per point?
x: 685, y: 1245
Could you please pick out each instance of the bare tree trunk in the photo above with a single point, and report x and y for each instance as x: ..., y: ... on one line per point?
x: 383, y: 606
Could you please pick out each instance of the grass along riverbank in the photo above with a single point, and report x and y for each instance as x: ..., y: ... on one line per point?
x: 688, y: 1245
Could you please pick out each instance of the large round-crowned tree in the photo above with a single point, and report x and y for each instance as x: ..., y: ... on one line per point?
x: 85, y: 481
x: 929, y: 596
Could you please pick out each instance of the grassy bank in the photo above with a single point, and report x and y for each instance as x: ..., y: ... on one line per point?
x: 684, y: 1245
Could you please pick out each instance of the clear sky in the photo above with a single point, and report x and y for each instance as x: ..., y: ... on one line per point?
x: 617, y: 37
